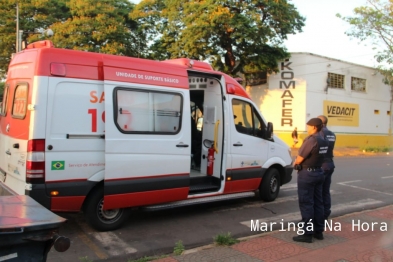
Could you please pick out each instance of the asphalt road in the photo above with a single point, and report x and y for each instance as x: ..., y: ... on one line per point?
x: 359, y: 183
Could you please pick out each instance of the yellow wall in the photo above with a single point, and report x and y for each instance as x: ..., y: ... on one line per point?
x: 347, y: 140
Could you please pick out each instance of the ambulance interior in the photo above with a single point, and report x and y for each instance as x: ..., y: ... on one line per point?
x: 206, y: 129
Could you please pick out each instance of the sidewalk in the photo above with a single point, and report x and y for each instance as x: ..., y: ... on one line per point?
x: 362, y: 236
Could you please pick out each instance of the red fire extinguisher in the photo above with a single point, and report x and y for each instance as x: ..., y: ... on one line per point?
x: 210, y: 161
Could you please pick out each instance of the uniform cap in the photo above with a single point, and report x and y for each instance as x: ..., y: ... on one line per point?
x: 314, y: 122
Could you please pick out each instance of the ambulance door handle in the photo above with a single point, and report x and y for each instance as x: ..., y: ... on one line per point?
x: 15, y: 145
x: 8, y: 152
x: 181, y: 145
x: 238, y: 144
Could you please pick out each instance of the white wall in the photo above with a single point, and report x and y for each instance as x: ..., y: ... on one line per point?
x: 303, y: 83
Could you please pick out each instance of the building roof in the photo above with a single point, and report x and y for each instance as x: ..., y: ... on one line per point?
x: 332, y: 59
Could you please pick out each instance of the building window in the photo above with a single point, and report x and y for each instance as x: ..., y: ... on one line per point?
x: 376, y: 112
x: 358, y: 84
x: 335, y: 80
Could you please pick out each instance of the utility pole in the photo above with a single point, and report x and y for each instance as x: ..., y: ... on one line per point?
x: 17, y: 28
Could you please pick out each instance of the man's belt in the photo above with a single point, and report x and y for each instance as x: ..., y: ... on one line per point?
x: 312, y: 168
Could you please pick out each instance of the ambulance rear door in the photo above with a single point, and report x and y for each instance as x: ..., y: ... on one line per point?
x: 147, y: 144
x: 14, y: 135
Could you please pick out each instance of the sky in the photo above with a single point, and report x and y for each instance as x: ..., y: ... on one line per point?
x: 324, y: 33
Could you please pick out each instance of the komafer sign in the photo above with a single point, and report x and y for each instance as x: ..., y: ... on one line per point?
x: 287, y: 81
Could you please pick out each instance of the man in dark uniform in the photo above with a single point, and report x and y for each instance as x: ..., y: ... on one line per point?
x: 327, y: 166
x: 309, y: 182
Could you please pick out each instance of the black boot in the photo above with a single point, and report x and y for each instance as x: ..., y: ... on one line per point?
x: 303, y: 238
x: 318, y: 236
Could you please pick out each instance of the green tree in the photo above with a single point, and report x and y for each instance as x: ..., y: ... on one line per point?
x: 1, y: 90
x: 374, y: 23
x: 33, y: 14
x: 7, y: 34
x: 237, y: 36
x: 98, y: 26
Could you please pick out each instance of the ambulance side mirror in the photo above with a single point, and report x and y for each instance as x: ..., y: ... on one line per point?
x: 269, y: 130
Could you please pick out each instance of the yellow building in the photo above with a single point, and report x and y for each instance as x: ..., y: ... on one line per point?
x: 353, y: 97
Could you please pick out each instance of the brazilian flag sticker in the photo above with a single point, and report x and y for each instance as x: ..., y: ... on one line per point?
x: 57, y: 165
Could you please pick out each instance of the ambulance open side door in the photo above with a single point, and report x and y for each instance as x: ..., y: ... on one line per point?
x: 147, y: 144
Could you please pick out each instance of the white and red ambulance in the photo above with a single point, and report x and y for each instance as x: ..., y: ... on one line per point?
x: 103, y: 133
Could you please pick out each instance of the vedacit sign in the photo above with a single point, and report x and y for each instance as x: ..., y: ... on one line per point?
x: 341, y: 114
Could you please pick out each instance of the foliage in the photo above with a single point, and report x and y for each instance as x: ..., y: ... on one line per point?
x: 236, y: 36
x: 376, y: 149
x: 97, y: 26
x: 146, y: 259
x: 7, y: 35
x: 85, y: 259
x: 225, y: 239
x: 1, y: 88
x: 33, y: 14
x: 374, y: 22
x: 179, y: 248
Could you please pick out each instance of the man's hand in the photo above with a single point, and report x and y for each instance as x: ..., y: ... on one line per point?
x: 297, y: 167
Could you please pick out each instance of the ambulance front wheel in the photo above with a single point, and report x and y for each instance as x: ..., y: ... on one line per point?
x: 100, y: 219
x: 270, y: 185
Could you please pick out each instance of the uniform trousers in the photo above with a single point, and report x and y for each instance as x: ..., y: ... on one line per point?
x: 328, y: 169
x: 309, y: 185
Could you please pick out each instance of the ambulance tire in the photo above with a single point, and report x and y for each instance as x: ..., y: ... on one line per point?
x: 270, y: 185
x: 100, y: 219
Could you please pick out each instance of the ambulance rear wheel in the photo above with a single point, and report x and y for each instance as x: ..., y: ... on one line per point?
x: 270, y: 185
x: 100, y: 219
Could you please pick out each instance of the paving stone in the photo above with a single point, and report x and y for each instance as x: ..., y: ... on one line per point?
x: 257, y: 244
x: 377, y: 255
x: 386, y: 239
x: 240, y: 258
x: 368, y: 224
x: 384, y: 213
x: 340, y: 251
x: 276, y: 253
x: 212, y: 254
x: 345, y: 232
x: 327, y: 241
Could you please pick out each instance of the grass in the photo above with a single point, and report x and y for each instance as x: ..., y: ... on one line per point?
x: 179, y: 248
x: 146, y: 259
x: 225, y: 240
x: 377, y: 149
x: 85, y: 259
